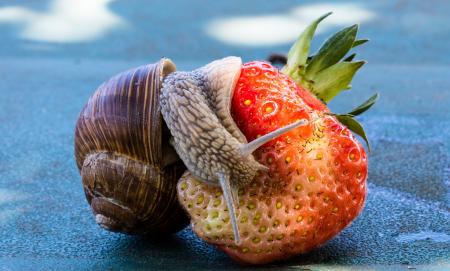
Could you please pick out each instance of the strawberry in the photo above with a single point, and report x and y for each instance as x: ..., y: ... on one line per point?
x: 316, y: 182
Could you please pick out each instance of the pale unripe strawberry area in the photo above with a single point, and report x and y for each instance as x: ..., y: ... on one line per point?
x: 315, y: 186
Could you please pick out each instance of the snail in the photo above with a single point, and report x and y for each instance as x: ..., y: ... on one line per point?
x: 196, y: 108
x: 124, y: 149
x: 129, y: 170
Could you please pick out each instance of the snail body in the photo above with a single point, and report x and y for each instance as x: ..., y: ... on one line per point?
x: 201, y: 138
x: 196, y: 108
x: 129, y: 170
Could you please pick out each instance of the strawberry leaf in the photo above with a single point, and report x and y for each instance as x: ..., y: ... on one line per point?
x: 333, y: 50
x: 349, y: 58
x: 354, y: 126
x: 298, y: 53
x: 364, y: 106
x: 331, y: 81
x: 359, y: 42
x: 328, y: 72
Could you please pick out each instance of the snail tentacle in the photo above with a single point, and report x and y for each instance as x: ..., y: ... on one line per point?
x: 230, y: 196
x: 249, y: 148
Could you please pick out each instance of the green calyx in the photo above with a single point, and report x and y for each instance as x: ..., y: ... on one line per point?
x: 327, y: 72
x: 330, y: 70
x: 348, y: 119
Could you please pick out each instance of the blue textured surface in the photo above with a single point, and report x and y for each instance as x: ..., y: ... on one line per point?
x: 45, y: 222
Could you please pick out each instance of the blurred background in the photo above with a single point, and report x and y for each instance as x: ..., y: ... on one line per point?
x: 54, y: 54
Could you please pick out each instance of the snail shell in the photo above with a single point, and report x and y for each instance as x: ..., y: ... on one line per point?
x: 128, y: 168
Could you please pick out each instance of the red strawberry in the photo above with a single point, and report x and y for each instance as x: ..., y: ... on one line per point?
x: 316, y: 183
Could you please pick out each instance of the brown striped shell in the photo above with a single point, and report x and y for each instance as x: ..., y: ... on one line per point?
x: 128, y: 168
